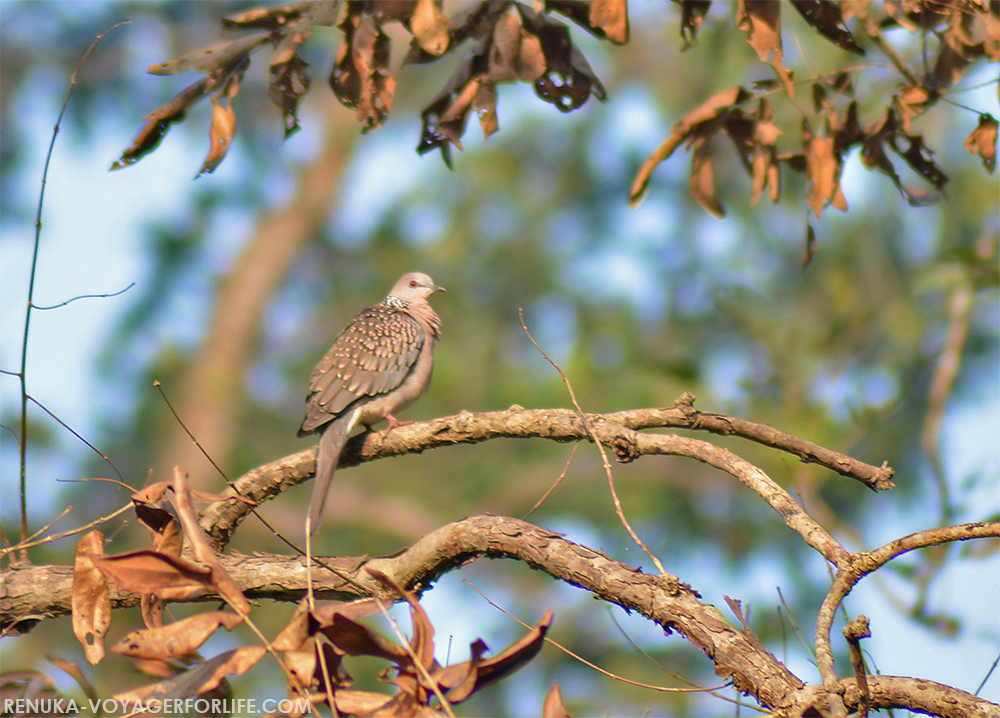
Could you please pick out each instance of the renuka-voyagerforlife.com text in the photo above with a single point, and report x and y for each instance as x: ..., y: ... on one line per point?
x: 180, y: 706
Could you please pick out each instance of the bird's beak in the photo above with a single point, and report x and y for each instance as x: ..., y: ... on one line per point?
x: 436, y: 288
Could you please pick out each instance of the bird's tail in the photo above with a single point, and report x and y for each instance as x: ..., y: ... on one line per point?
x: 327, y: 455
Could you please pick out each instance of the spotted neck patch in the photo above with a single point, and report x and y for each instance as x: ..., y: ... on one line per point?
x: 394, y: 302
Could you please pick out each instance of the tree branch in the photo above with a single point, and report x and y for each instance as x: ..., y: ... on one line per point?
x: 616, y: 429
x: 45, y: 591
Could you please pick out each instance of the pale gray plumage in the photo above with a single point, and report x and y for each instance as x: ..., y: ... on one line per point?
x: 378, y: 365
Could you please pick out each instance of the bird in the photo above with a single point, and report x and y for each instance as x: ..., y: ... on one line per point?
x: 378, y: 365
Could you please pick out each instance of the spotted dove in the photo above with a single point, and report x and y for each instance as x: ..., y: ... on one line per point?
x: 379, y: 364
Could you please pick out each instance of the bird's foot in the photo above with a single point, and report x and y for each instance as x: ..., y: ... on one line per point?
x: 394, y: 422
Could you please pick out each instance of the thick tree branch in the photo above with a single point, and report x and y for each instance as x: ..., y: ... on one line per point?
x: 664, y: 599
x: 616, y: 430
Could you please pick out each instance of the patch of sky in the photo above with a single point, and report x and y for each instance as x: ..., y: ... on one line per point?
x: 383, y: 171
x: 568, y: 231
x: 728, y: 370
x: 610, y: 273
x: 555, y: 326
x: 424, y: 224
x: 89, y: 245
x: 973, y: 587
x: 496, y: 221
x: 845, y: 389
x: 630, y: 127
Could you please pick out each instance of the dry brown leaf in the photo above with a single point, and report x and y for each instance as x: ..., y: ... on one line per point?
x: 430, y: 26
x: 761, y: 19
x: 812, y: 246
x: 288, y: 79
x: 692, y: 16
x: 606, y: 19
x: 90, y: 600
x: 553, y: 707
x: 515, y: 656
x: 296, y: 631
x: 200, y: 679
x: 701, y: 182
x: 176, y: 639
x: 361, y: 78
x: 709, y: 110
x: 360, y: 703
x: 983, y: 141
x: 828, y: 19
x: 356, y: 639
x: 169, y: 578
x: 152, y: 493
x: 485, y: 105
x: 223, y: 582
x: 823, y: 171
x: 218, y: 56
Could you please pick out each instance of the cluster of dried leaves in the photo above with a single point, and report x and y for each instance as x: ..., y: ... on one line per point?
x: 962, y: 31
x: 511, y: 42
x: 514, y: 42
x: 310, y: 649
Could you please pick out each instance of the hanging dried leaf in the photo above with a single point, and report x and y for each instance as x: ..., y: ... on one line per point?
x: 983, y: 141
x: 568, y: 80
x: 485, y: 105
x: 473, y: 22
x: 606, y: 19
x: 90, y: 600
x: 223, y: 126
x: 918, y: 157
x: 169, y: 578
x: 812, y: 246
x: 159, y: 121
x: 163, y: 529
x: 222, y: 55
x: 176, y: 639
x: 317, y: 12
x: 701, y: 182
x: 361, y: 79
x: 692, y: 16
x: 823, y: 169
x: 708, y: 111
x: 761, y: 19
x: 288, y: 80
x: 827, y: 18
x: 430, y: 27
x: 221, y: 580
x: 197, y: 680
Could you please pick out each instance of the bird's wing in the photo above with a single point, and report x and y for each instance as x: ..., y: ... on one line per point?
x: 372, y: 356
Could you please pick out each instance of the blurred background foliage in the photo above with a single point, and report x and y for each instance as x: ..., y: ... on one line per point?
x: 635, y: 305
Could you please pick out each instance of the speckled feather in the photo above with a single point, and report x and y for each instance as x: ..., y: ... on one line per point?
x: 372, y: 356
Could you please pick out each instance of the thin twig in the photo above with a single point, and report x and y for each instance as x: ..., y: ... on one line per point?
x: 70, y: 429
x: 598, y: 444
x: 22, y: 375
x: 558, y: 481
x: 584, y: 661
x: 56, y: 537
x: 85, y: 296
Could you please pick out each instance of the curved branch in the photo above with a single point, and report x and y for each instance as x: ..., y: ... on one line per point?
x: 866, y: 562
x: 616, y: 429
x: 45, y: 591
x: 664, y: 599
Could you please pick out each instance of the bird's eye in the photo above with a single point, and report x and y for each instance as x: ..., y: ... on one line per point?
x: 413, y: 283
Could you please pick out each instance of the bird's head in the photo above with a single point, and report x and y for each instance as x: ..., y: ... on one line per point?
x: 413, y: 286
